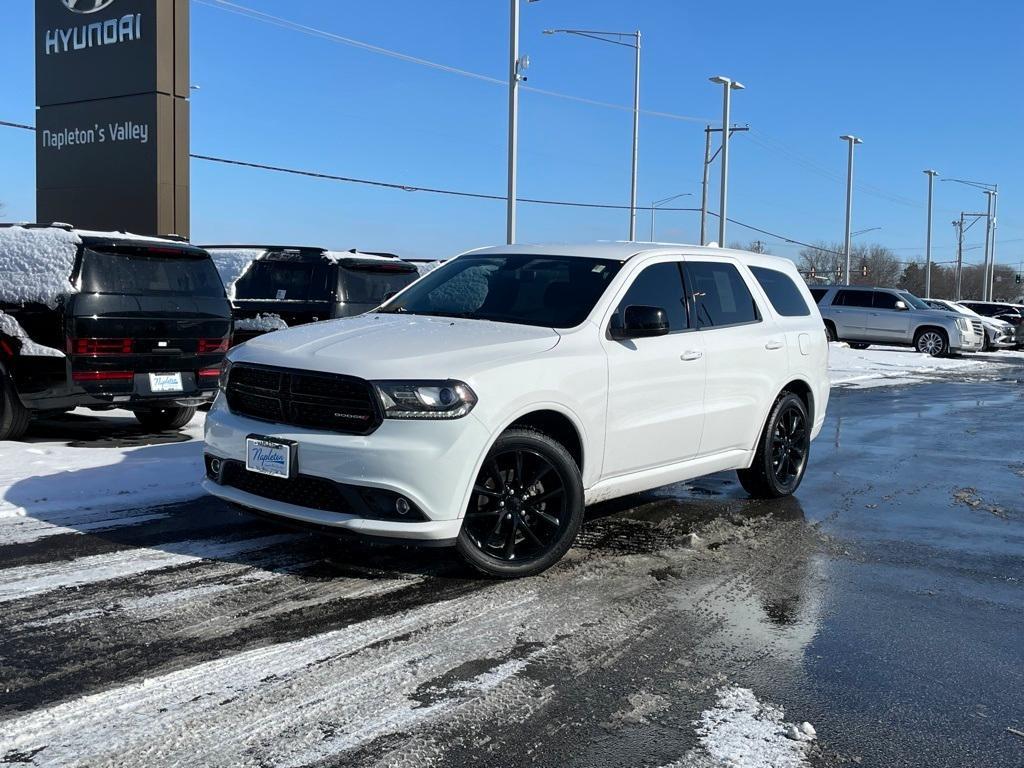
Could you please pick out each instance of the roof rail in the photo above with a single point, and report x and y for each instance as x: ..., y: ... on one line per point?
x: 39, y: 225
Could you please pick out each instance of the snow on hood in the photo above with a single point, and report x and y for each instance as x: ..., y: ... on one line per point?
x: 397, y: 346
x: 11, y: 327
x: 262, y: 322
x: 36, y: 264
x: 232, y: 263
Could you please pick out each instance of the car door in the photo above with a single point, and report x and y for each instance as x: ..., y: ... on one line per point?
x: 747, y: 359
x: 655, y: 385
x: 885, y: 322
x: 849, y: 312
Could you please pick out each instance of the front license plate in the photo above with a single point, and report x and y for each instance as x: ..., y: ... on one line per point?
x: 165, y: 382
x: 268, y: 457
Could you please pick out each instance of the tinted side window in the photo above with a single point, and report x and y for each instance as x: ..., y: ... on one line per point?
x: 720, y: 296
x: 818, y: 294
x: 885, y: 300
x: 659, y: 285
x: 782, y: 292
x: 852, y: 299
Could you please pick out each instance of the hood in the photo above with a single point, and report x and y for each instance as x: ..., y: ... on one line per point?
x: 394, y: 346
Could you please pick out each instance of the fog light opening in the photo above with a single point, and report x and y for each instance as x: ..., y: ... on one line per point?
x: 402, y: 505
x: 215, y: 465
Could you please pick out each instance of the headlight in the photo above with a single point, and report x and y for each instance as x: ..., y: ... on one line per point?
x: 222, y: 380
x: 425, y: 399
x: 963, y: 324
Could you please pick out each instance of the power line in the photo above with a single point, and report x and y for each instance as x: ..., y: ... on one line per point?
x: 283, y: 23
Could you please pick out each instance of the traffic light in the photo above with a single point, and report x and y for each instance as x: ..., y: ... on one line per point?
x: 1017, y: 279
x: 864, y: 270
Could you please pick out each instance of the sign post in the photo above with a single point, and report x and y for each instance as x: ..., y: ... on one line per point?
x: 112, y: 128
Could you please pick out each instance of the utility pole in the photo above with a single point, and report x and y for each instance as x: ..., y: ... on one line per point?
x: 636, y: 140
x: 928, y: 238
x: 991, y: 274
x: 959, y: 226
x: 708, y: 160
x: 513, y: 122
x: 986, y: 286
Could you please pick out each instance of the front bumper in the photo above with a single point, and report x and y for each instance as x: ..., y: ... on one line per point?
x: 966, y: 342
x: 431, y: 463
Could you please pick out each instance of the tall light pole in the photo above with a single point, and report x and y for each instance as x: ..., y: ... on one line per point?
x: 851, y: 141
x: 708, y: 160
x: 928, y: 238
x: 990, y: 190
x: 728, y: 86
x: 616, y: 38
x: 516, y: 65
x: 656, y: 203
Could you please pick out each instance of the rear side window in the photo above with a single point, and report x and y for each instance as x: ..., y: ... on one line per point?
x: 852, y: 299
x: 720, y: 295
x: 370, y: 284
x: 659, y: 285
x: 818, y: 294
x: 142, y: 273
x: 782, y: 292
x: 272, y: 280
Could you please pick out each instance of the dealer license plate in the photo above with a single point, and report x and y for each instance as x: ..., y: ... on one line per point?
x: 268, y: 457
x: 165, y: 382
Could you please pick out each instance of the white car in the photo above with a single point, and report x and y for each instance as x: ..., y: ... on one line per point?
x: 488, y: 402
x: 999, y: 334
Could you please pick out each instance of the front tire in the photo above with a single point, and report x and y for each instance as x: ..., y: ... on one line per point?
x: 526, y: 508
x: 161, y: 419
x: 782, y: 452
x: 932, y: 342
x: 14, y: 416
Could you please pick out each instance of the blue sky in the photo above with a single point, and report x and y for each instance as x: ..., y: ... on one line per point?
x: 926, y: 83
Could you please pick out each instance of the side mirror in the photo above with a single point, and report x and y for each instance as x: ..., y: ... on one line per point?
x: 640, y: 322
x: 901, y: 305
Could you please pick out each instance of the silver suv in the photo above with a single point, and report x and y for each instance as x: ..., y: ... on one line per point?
x: 864, y: 316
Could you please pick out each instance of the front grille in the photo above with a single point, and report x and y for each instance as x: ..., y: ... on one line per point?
x: 302, y: 399
x: 302, y: 490
x: 979, y: 328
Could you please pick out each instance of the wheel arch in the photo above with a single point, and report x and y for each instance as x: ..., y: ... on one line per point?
x: 930, y: 327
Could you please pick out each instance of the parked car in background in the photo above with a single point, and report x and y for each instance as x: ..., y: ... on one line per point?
x: 107, y: 320
x: 276, y: 287
x: 1010, y: 313
x: 999, y: 334
x: 487, y: 403
x: 864, y: 316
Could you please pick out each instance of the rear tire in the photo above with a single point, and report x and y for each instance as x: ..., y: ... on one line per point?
x: 782, y: 451
x: 161, y: 419
x: 830, y: 331
x: 14, y: 416
x: 526, y: 508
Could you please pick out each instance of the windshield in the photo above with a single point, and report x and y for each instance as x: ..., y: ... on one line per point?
x: 912, y: 300
x: 963, y: 310
x: 370, y: 284
x: 139, y: 273
x: 548, y: 291
x: 283, y: 281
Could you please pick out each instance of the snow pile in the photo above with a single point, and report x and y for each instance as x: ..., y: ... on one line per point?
x: 426, y: 267
x: 262, y: 322
x: 36, y: 264
x: 50, y: 487
x: 880, y: 366
x: 232, y: 263
x: 11, y: 327
x: 337, y: 256
x: 741, y: 732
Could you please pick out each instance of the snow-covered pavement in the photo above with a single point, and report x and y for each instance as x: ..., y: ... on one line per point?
x: 888, y: 366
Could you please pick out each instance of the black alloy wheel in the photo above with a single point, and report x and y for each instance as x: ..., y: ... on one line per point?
x: 525, y: 509
x: 782, y: 452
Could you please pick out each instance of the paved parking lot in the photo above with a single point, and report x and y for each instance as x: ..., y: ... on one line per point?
x: 883, y: 604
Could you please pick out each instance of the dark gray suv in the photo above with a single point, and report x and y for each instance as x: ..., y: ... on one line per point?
x: 864, y: 316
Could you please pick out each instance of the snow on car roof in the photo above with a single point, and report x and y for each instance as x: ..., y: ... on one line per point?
x: 36, y: 264
x: 232, y: 263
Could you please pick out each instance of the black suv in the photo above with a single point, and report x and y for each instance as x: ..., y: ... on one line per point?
x: 107, y: 320
x: 278, y: 286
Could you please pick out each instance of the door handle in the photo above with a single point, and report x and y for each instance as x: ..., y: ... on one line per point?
x: 773, y: 345
x: 691, y: 354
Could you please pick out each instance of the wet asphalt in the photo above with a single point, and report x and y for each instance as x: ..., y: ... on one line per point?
x: 884, y: 603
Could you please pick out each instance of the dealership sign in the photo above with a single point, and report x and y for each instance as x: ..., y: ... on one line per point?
x: 112, y: 90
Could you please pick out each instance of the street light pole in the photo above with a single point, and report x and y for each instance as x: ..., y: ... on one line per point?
x: 656, y: 203
x: 851, y: 141
x: 513, y: 123
x: 986, y: 288
x: 636, y: 140
x: 959, y: 255
x: 616, y: 39
x: 728, y: 86
x: 928, y: 239
x: 994, y: 197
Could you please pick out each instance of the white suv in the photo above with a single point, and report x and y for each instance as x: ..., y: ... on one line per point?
x: 488, y: 402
